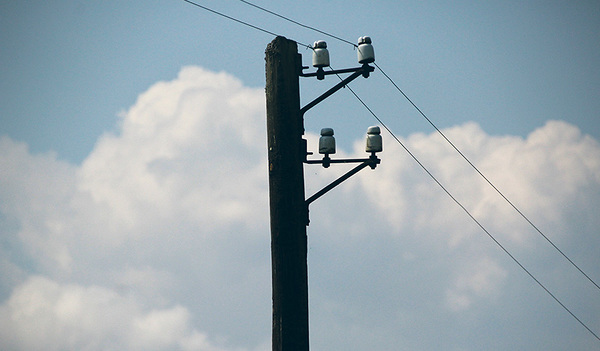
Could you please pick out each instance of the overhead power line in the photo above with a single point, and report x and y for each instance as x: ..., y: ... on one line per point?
x: 421, y: 164
x: 473, y: 217
x: 487, y: 180
x: 443, y: 136
x: 240, y: 21
x: 296, y: 22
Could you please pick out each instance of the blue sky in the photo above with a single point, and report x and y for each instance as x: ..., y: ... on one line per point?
x: 69, y: 68
x: 134, y: 164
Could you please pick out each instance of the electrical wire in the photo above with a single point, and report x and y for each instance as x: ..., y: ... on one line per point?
x: 296, y: 22
x: 433, y: 177
x: 445, y: 138
x: 487, y: 180
x: 421, y: 164
x: 240, y: 21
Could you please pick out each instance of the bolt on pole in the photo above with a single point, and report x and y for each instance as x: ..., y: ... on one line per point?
x: 286, y: 152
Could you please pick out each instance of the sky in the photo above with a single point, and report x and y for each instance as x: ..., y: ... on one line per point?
x: 134, y: 186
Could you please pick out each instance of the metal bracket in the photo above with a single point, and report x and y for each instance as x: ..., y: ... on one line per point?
x: 372, y: 162
x: 364, y: 70
x: 321, y: 73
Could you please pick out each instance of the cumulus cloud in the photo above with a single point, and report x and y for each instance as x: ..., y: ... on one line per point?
x: 160, y: 238
x: 44, y: 315
x: 171, y: 210
x: 405, y: 236
x: 541, y: 175
x: 34, y: 189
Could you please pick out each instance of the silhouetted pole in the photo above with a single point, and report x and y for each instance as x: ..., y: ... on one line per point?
x: 286, y: 193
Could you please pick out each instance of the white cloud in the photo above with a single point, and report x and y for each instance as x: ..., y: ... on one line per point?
x: 42, y: 314
x: 540, y: 174
x: 34, y: 191
x: 173, y: 208
x: 160, y: 239
x: 179, y: 140
x: 414, y: 242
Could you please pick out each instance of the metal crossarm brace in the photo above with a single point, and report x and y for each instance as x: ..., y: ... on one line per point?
x: 321, y: 72
x: 372, y: 161
x: 363, y: 70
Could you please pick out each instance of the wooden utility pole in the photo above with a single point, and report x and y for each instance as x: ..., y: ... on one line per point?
x: 286, y: 194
